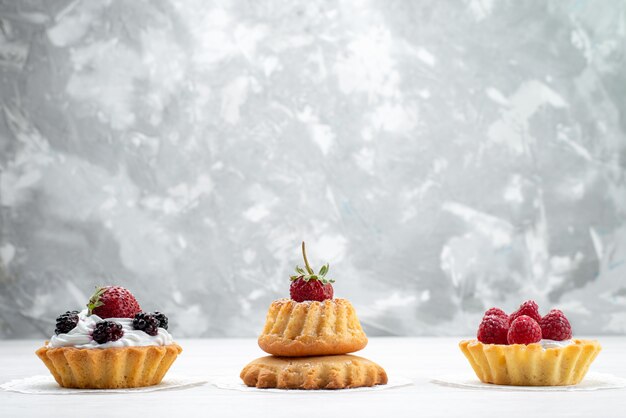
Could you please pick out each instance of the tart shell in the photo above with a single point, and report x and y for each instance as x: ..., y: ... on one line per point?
x: 109, y: 368
x: 530, y: 365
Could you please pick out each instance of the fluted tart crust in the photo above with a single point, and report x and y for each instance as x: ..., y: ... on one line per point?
x: 530, y: 365
x: 109, y: 368
x: 311, y: 328
x: 321, y: 372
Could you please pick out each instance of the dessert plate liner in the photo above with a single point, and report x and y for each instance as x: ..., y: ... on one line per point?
x: 593, y: 381
x: 46, y: 385
x: 234, y: 383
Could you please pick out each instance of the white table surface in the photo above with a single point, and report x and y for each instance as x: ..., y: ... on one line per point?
x: 419, y: 359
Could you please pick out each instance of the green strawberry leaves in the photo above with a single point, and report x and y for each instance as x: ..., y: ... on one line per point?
x: 309, y: 273
x: 324, y: 270
x: 94, y: 300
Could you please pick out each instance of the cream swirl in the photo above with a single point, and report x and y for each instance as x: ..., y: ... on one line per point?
x: 80, y: 337
x: 554, y: 344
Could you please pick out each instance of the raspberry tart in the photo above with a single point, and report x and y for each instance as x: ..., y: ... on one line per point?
x: 111, y: 344
x: 526, y: 349
x: 312, y: 322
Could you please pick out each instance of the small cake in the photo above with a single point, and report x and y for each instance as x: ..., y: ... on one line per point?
x: 112, y: 344
x: 526, y: 349
x: 311, y: 323
x: 326, y: 372
x: 310, y: 336
x: 311, y: 328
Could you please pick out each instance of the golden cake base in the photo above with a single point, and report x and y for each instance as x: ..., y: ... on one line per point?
x: 530, y: 365
x: 109, y: 368
x: 322, y: 372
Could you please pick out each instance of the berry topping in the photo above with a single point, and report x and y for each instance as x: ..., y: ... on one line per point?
x: 163, y: 322
x: 113, y: 302
x: 66, y: 322
x: 106, y: 331
x: 555, y: 326
x: 302, y: 290
x: 147, y: 323
x: 493, y: 330
x: 528, y: 308
x: 307, y: 285
x: 496, y: 312
x: 524, y: 330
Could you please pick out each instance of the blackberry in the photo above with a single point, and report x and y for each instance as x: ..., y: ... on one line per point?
x: 147, y: 323
x: 106, y: 331
x: 163, y: 322
x: 66, y: 322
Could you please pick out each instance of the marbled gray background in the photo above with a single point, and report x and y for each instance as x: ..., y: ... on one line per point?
x: 443, y: 156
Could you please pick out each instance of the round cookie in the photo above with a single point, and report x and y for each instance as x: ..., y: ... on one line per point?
x: 321, y: 372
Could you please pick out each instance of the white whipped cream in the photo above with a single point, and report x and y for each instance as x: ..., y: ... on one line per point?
x: 80, y: 337
x: 555, y: 344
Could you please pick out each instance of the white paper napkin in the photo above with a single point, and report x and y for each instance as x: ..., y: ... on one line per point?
x: 46, y: 385
x: 235, y: 383
x: 593, y: 381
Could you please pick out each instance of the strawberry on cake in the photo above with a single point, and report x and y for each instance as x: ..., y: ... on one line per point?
x: 312, y: 322
x: 111, y: 344
x: 526, y: 349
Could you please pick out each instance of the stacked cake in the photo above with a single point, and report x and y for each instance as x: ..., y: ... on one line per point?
x: 309, y: 337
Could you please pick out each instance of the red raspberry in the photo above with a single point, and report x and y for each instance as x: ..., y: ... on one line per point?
x: 113, y: 302
x: 301, y: 290
x: 493, y: 330
x: 555, y: 326
x: 497, y: 312
x: 528, y: 308
x: 524, y: 330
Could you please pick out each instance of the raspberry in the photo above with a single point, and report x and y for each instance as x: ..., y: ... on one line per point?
x: 66, y: 322
x: 147, y: 323
x: 528, y: 308
x: 113, y: 302
x: 496, y: 312
x: 493, y: 330
x: 555, y: 326
x: 106, y: 331
x: 307, y: 285
x: 163, y: 321
x: 524, y: 330
x: 301, y: 290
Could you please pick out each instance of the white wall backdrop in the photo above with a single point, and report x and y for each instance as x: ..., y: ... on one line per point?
x: 443, y: 156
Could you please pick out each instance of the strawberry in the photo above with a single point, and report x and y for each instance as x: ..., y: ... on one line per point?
x: 307, y: 285
x: 524, y: 330
x: 113, y: 302
x: 555, y: 326
x: 493, y: 330
x: 301, y: 290
x: 528, y: 308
